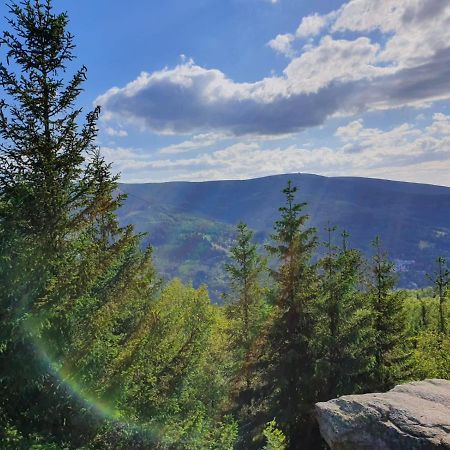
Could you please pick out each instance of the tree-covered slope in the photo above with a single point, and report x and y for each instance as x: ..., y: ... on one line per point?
x: 191, y: 224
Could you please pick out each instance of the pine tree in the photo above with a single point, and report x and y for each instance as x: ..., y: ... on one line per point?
x: 43, y: 148
x: 247, y: 312
x: 289, y: 367
x: 66, y: 267
x: 245, y: 299
x: 343, y: 333
x: 245, y: 270
x: 441, y: 281
x: 388, y: 321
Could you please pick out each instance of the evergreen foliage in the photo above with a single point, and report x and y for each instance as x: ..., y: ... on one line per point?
x: 56, y: 204
x: 247, y: 311
x: 343, y: 333
x: 441, y: 281
x: 389, y: 321
x: 275, y: 438
x: 245, y: 304
x: 288, y: 385
x: 96, y: 352
x: 79, y: 295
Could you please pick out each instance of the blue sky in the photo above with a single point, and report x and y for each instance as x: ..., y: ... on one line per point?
x: 231, y: 89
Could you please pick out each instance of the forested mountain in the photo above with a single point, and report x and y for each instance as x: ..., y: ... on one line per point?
x: 191, y: 225
x: 98, y: 352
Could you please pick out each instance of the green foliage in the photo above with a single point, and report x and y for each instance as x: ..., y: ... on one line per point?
x: 430, y: 357
x: 441, y: 282
x: 174, y: 359
x: 12, y: 439
x: 287, y: 389
x: 96, y: 352
x: 245, y: 304
x: 58, y: 233
x: 247, y: 311
x: 343, y: 334
x: 275, y: 437
x: 290, y: 228
x: 66, y: 266
x: 429, y: 346
x: 389, y: 322
x: 422, y: 311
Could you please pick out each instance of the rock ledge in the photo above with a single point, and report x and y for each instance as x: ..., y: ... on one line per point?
x: 413, y: 416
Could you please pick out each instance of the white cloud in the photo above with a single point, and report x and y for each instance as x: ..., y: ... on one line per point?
x: 237, y: 161
x: 282, y: 44
x: 375, y: 151
x: 311, y: 25
x: 331, y: 76
x: 367, y: 15
x: 440, y: 125
x: 419, y: 28
x: 403, y: 152
x: 332, y: 60
x: 116, y: 133
x: 196, y: 142
x: 351, y: 130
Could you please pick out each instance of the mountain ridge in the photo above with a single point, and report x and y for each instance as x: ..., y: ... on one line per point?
x: 187, y: 221
x: 283, y: 175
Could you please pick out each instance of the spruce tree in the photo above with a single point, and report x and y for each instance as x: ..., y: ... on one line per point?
x: 441, y: 280
x: 44, y: 149
x: 247, y: 310
x: 66, y: 266
x: 289, y: 366
x: 245, y: 304
x: 343, y: 332
x: 388, y: 321
x: 245, y: 270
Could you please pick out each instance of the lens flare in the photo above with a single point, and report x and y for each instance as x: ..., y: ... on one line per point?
x: 59, y: 369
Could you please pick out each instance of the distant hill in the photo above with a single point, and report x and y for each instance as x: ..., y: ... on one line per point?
x: 191, y: 225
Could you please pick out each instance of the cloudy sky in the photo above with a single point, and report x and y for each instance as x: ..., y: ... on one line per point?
x: 231, y: 89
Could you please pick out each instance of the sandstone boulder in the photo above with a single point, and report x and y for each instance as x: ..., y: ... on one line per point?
x: 409, y: 417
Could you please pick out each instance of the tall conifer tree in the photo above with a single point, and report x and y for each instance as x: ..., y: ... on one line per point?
x: 65, y: 264
x: 246, y: 304
x: 289, y: 369
x: 388, y: 321
x: 441, y: 281
x: 344, y: 334
x: 247, y: 311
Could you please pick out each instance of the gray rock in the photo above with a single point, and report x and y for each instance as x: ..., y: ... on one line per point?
x: 409, y: 417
